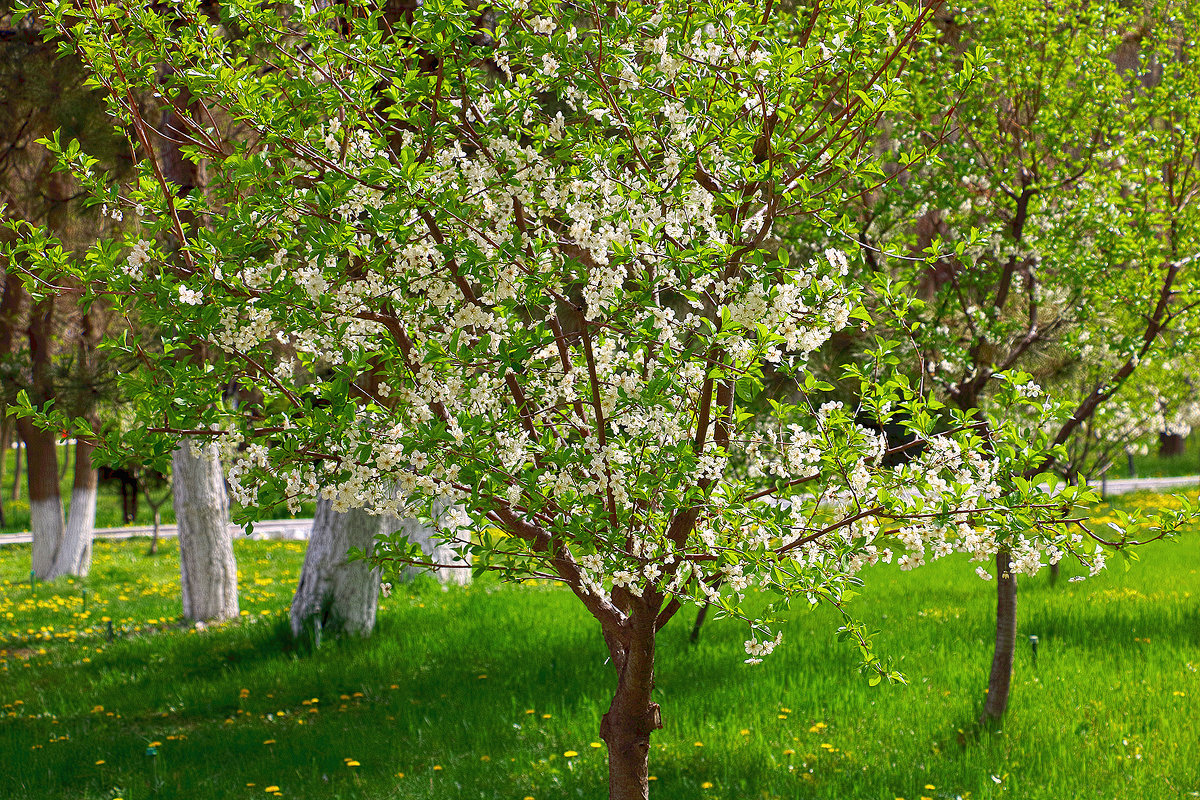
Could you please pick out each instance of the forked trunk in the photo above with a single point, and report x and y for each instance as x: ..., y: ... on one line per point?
x: 207, y: 568
x: 1000, y: 679
x: 75, y: 550
x: 632, y: 716
x: 341, y: 595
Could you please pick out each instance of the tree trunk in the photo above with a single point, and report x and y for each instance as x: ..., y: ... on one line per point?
x: 15, y: 494
x: 41, y: 448
x: 45, y: 502
x: 343, y: 595
x: 6, y: 431
x: 153, y: 551
x: 1000, y: 680
x: 1171, y: 445
x: 632, y: 716
x: 75, y: 550
x: 438, y: 552
x: 208, y: 572
x: 700, y: 615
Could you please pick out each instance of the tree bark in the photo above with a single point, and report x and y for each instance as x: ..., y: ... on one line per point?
x: 15, y: 494
x: 1000, y: 680
x: 700, y: 616
x: 1171, y: 445
x: 208, y: 572
x: 45, y: 502
x: 41, y: 447
x: 75, y: 549
x: 632, y: 716
x: 343, y: 595
x: 6, y: 431
x: 438, y: 552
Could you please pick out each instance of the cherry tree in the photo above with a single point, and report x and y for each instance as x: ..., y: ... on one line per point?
x: 545, y: 232
x: 1057, y: 231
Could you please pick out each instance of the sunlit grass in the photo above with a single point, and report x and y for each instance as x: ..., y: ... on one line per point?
x: 497, y: 692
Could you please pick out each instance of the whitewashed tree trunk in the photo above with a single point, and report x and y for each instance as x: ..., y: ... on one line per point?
x: 45, y: 502
x: 456, y: 560
x: 342, y: 595
x: 75, y: 548
x: 208, y: 572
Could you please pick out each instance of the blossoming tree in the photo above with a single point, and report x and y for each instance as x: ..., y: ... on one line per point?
x: 544, y: 234
x: 1060, y: 220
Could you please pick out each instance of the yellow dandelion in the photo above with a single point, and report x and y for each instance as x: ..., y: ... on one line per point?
x: 353, y: 763
x: 268, y: 741
x: 699, y: 744
x: 271, y: 789
x: 437, y: 768
x: 594, y: 744
x: 744, y: 731
x: 570, y: 754
x: 101, y: 761
x: 706, y: 785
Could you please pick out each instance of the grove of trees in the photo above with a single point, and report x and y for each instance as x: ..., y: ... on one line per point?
x: 668, y: 303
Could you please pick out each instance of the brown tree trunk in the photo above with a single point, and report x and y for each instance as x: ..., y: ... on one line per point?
x: 45, y: 501
x: 1000, y: 680
x: 1171, y: 445
x: 6, y: 430
x: 632, y: 715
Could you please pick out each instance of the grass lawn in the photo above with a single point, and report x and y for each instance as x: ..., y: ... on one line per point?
x: 497, y: 692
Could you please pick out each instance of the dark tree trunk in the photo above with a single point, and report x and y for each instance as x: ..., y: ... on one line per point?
x: 1171, y: 445
x: 15, y: 494
x: 45, y: 501
x: 632, y: 716
x: 700, y: 615
x: 1000, y: 680
x: 5, y: 444
x: 66, y: 460
x: 153, y: 551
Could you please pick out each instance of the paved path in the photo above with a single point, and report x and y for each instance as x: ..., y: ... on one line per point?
x: 1123, y: 485
x: 268, y: 529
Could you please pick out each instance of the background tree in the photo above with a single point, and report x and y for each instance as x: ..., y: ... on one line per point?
x: 1063, y: 205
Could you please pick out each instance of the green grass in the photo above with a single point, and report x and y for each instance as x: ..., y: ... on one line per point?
x: 479, y: 692
x: 1152, y: 465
